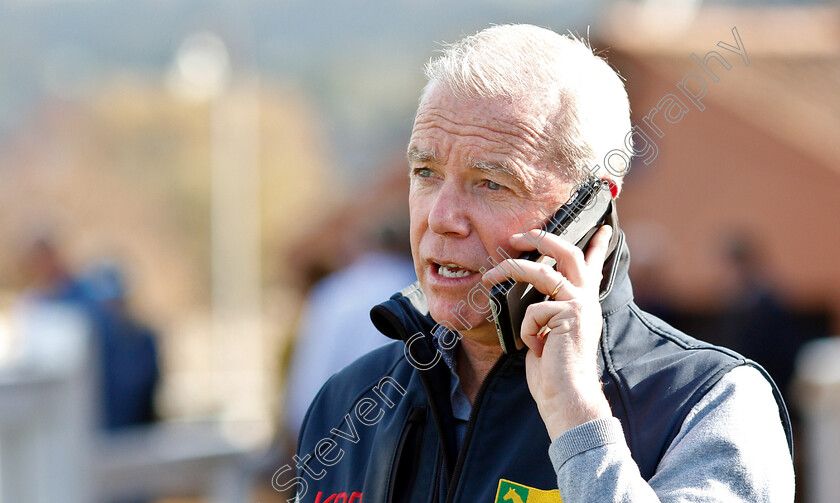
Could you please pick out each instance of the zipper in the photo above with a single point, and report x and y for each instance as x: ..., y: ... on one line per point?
x: 403, y: 472
x: 462, y: 453
x: 439, y: 468
x: 435, y: 410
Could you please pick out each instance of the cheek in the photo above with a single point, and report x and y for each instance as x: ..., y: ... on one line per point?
x: 418, y: 222
x: 418, y: 217
x: 498, y: 228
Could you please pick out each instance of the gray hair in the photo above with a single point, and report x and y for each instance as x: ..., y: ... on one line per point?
x: 587, y: 114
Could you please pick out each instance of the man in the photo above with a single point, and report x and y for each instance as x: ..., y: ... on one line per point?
x: 606, y: 403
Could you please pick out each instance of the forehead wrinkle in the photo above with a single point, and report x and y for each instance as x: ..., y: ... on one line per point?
x: 519, y: 132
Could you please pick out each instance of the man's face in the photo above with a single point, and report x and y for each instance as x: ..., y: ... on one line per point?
x: 477, y: 177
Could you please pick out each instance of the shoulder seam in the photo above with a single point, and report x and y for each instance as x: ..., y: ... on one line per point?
x: 676, y: 340
x: 618, y: 308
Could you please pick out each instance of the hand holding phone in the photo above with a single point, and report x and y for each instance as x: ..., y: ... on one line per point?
x: 562, y: 366
x: 576, y: 221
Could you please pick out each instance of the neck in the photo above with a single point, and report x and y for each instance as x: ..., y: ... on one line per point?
x: 478, y: 352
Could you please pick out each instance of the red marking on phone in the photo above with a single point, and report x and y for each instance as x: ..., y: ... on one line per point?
x: 613, y: 187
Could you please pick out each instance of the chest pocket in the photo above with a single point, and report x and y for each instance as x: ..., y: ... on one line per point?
x: 406, y: 459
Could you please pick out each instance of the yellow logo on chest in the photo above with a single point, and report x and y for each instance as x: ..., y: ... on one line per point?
x: 511, y: 492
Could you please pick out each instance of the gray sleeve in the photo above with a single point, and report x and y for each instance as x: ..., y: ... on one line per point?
x: 731, y: 448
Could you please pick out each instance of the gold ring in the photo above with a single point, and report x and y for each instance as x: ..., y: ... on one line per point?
x: 558, y: 287
x: 543, y: 333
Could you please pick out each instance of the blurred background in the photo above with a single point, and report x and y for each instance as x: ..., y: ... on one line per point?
x: 189, y: 190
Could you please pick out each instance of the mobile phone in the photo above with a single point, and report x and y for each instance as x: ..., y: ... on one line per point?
x: 576, y: 221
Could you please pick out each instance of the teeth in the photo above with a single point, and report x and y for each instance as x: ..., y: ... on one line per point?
x: 453, y: 271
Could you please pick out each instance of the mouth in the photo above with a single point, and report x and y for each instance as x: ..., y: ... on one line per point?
x: 451, y: 270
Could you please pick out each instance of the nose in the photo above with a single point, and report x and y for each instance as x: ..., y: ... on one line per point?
x: 448, y: 215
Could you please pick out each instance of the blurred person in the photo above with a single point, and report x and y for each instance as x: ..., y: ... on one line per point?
x: 66, y: 319
x: 128, y: 350
x: 756, y: 321
x: 604, y: 402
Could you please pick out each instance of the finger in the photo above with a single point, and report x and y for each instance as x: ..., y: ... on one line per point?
x: 552, y: 316
x: 556, y: 315
x: 544, y: 278
x: 534, y: 343
x: 597, y: 251
x: 570, y: 259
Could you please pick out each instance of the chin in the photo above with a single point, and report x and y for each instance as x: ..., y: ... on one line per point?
x: 448, y: 313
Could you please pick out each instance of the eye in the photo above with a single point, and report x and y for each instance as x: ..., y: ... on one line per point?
x: 422, y: 172
x: 493, y: 185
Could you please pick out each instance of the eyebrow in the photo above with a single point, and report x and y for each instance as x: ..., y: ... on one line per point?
x: 417, y: 155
